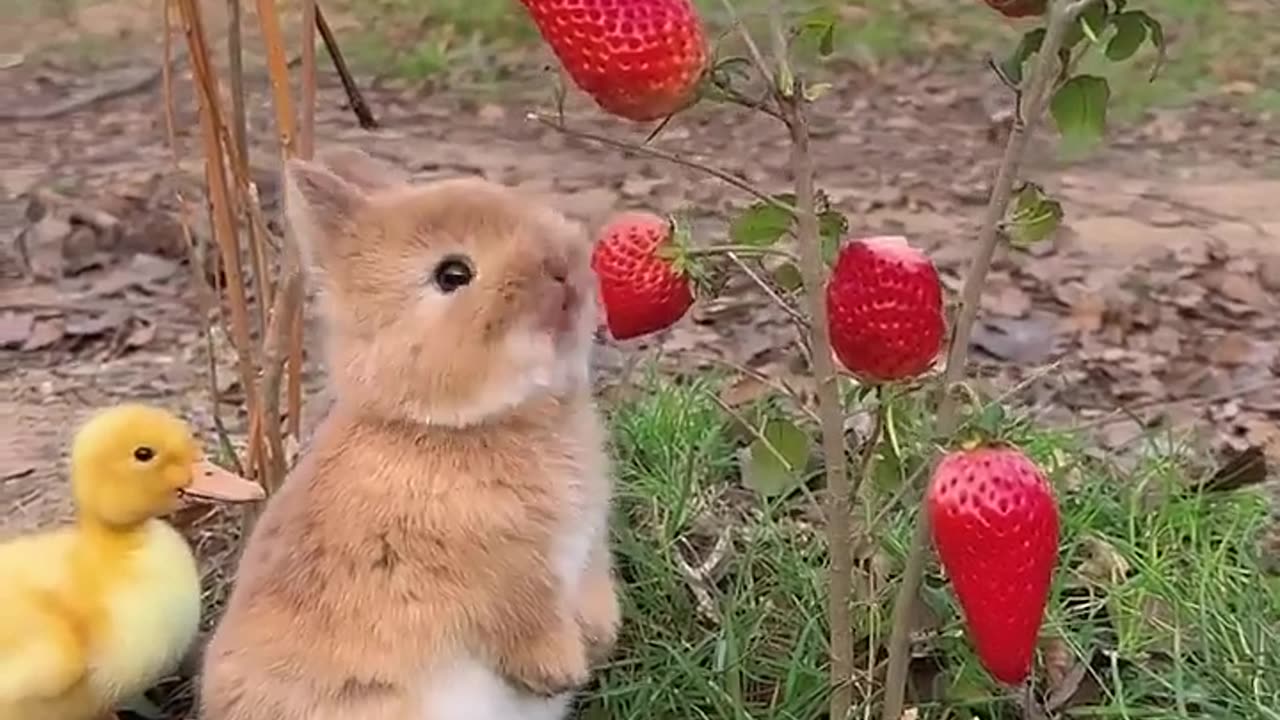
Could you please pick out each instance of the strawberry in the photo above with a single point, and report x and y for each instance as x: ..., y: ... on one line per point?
x: 641, y: 290
x: 639, y: 59
x: 995, y: 525
x: 884, y: 309
x: 1018, y: 8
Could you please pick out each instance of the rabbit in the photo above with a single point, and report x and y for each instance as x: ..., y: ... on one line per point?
x: 440, y: 550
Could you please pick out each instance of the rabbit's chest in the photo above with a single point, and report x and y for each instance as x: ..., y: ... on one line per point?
x: 579, y: 532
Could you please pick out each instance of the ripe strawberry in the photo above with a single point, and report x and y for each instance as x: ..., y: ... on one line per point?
x: 884, y: 309
x: 639, y: 59
x: 995, y: 525
x: 1018, y: 8
x: 642, y: 292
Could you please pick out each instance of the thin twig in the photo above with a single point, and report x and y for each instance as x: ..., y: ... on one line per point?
x: 358, y: 106
x: 1062, y: 14
x: 644, y: 150
x: 767, y: 288
x: 778, y: 385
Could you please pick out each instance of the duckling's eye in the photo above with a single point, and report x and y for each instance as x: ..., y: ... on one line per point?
x: 143, y: 454
x: 452, y: 273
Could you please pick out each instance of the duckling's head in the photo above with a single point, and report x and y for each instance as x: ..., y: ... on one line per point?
x: 131, y: 462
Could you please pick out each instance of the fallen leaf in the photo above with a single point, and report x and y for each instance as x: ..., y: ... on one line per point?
x: 15, y: 328
x: 1233, y: 349
x: 1103, y: 564
x: 142, y: 333
x: 46, y: 332
x: 1026, y: 341
x: 98, y: 324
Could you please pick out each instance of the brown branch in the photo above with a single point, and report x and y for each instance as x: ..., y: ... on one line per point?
x: 1062, y: 14
x: 212, y: 127
x: 358, y: 106
x: 830, y: 411
x: 646, y: 151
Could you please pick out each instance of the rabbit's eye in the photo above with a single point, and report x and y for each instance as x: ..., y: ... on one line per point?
x: 452, y: 273
x: 143, y: 454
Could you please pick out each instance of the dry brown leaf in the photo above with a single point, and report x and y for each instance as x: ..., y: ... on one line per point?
x: 1103, y: 564
x: 45, y: 333
x: 15, y: 328
x: 1233, y: 349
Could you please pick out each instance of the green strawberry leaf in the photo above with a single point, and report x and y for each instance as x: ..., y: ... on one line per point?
x: 788, y: 277
x: 1079, y: 108
x: 776, y: 461
x: 1033, y: 216
x: 832, y: 227
x: 1131, y: 32
x: 819, y: 25
x: 1010, y: 69
x: 1155, y: 31
x: 1092, y: 22
x: 761, y: 225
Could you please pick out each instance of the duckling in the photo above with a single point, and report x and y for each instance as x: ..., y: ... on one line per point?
x: 98, y: 611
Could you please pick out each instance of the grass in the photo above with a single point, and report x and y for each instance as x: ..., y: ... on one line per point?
x: 1158, y: 596
x: 1214, y: 45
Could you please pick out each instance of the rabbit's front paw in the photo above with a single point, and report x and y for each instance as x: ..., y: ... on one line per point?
x: 549, y: 665
x: 599, y: 614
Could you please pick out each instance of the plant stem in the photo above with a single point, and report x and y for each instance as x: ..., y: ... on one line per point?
x: 1062, y: 15
x: 646, y: 151
x: 740, y: 250
x: 814, y: 273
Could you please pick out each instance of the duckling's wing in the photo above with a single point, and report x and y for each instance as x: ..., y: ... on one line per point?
x: 41, y: 655
x: 41, y: 652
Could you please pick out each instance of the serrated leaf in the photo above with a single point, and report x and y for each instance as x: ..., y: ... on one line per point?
x: 1079, y: 108
x: 776, y: 463
x: 1029, y: 45
x: 788, y: 277
x: 760, y: 225
x: 1032, y: 217
x: 1131, y: 32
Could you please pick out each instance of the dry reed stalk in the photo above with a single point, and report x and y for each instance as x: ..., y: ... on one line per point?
x: 232, y: 199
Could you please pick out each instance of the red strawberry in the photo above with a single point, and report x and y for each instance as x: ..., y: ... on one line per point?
x: 642, y: 292
x: 884, y: 309
x: 639, y: 59
x: 995, y: 525
x: 1018, y: 8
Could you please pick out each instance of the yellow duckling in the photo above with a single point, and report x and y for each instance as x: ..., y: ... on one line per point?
x: 99, y: 611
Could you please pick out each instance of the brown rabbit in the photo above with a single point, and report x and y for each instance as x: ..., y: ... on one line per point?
x: 440, y: 550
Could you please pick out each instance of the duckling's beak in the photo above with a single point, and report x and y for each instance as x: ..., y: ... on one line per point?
x: 213, y: 483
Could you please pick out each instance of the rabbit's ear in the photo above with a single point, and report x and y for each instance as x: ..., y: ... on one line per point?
x: 361, y: 169
x: 320, y: 207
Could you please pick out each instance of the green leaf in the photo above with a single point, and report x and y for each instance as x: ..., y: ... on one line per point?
x: 832, y: 226
x: 761, y: 225
x: 1080, y: 109
x: 1033, y: 217
x: 1131, y: 32
x: 143, y: 707
x: 776, y: 462
x: 788, y: 277
x: 1011, y: 67
x: 827, y: 42
x: 1090, y: 24
x: 1156, y: 32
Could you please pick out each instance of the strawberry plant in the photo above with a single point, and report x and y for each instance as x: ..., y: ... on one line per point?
x: 869, y: 311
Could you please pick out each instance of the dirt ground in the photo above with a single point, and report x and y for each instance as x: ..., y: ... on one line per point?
x: 1159, y: 297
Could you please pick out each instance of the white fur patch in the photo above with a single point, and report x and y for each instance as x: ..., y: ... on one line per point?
x: 469, y: 691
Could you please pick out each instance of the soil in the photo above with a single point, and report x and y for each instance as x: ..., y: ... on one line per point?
x: 1159, y: 297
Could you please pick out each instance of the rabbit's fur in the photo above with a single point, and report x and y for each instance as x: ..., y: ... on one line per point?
x: 440, y: 551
